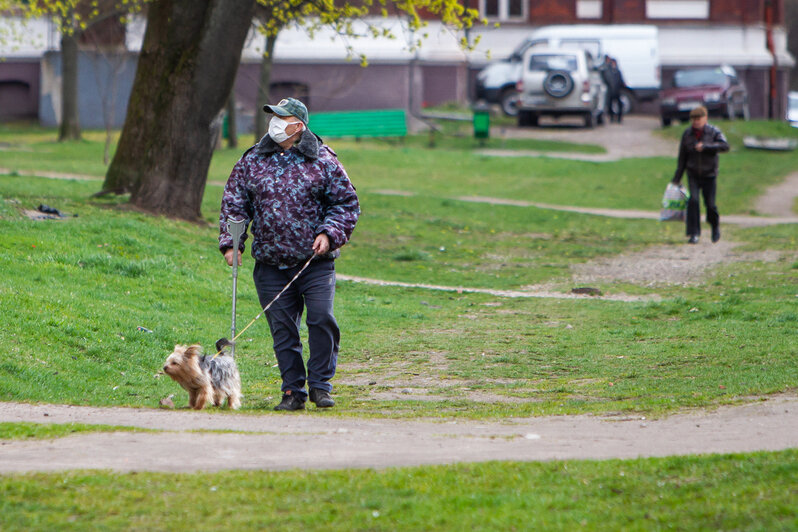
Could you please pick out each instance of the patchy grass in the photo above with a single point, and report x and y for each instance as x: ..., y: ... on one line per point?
x: 75, y: 292
x: 46, y: 431
x: 455, y: 169
x: 88, y: 282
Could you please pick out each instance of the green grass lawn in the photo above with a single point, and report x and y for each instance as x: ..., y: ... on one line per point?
x: 625, y: 184
x: 74, y: 292
x: 756, y: 491
x: 453, y: 168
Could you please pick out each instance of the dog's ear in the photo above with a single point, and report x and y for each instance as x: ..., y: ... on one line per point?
x: 223, y: 346
x: 194, y: 350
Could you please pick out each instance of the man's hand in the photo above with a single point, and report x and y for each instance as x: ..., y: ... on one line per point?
x: 699, y: 146
x: 321, y: 245
x: 228, y: 256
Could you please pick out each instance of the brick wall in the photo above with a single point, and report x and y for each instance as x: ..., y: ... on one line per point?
x: 542, y: 12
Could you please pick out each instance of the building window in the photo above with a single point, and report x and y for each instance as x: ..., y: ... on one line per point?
x: 503, y: 9
x: 515, y: 9
x: 677, y: 9
x: 491, y: 9
x: 588, y: 9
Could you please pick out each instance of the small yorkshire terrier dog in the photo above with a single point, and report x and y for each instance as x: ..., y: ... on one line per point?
x: 206, y: 378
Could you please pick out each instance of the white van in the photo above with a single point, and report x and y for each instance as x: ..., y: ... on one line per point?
x: 634, y: 46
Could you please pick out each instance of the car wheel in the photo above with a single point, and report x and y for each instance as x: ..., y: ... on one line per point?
x: 728, y: 112
x: 666, y: 121
x: 746, y: 113
x: 509, y: 102
x: 558, y: 83
x: 628, y: 102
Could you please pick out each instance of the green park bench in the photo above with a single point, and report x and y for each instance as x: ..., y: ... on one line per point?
x: 359, y: 124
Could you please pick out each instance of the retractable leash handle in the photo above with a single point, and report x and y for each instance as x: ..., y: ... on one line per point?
x: 236, y: 228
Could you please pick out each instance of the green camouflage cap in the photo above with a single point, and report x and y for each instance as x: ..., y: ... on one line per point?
x: 289, y: 107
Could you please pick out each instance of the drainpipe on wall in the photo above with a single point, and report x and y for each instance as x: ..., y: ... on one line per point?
x: 414, y: 108
x: 411, y: 74
x: 608, y: 11
x: 772, y: 49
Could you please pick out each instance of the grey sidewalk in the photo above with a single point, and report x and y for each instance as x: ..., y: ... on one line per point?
x: 320, y: 441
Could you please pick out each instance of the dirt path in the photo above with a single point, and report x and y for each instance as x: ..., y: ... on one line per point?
x: 315, y: 440
x: 778, y: 200
x: 528, y: 292
x: 633, y: 138
x: 654, y: 266
x: 781, y: 195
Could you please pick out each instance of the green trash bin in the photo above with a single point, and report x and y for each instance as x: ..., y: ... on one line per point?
x: 481, y: 122
x: 225, y: 127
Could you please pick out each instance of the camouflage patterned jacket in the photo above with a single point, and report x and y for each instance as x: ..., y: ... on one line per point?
x: 290, y: 197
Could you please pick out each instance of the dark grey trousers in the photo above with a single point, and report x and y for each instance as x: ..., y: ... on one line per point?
x: 314, y: 290
x: 706, y: 186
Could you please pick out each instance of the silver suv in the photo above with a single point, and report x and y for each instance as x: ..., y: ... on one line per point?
x: 558, y: 82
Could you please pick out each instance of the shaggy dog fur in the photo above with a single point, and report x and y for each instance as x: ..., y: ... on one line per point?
x: 206, y: 379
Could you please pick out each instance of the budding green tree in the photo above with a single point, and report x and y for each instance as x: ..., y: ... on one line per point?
x: 188, y: 62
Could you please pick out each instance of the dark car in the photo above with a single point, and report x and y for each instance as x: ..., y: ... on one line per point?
x: 718, y: 89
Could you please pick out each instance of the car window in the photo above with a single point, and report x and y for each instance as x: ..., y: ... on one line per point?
x: 543, y: 62
x: 696, y: 78
x: 592, y: 46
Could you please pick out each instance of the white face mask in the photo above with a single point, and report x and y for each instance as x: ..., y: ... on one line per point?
x: 277, y: 130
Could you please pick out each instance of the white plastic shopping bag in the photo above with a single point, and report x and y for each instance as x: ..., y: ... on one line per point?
x: 674, y: 203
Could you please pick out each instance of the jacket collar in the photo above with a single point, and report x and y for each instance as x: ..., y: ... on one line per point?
x: 308, y: 145
x: 704, y: 130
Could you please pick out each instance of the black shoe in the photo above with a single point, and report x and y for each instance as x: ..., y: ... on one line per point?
x: 693, y: 239
x: 291, y: 402
x: 322, y: 398
x: 715, y: 234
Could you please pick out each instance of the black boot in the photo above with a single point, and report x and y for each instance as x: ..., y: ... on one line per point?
x: 291, y: 401
x: 321, y: 397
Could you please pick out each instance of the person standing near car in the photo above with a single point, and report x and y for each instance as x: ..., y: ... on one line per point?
x: 698, y: 155
x: 613, y: 78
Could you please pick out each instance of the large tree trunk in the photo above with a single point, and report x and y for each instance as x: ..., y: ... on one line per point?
x: 70, y: 118
x: 263, y: 88
x: 186, y: 70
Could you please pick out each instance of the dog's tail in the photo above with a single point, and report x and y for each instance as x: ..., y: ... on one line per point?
x: 223, y: 346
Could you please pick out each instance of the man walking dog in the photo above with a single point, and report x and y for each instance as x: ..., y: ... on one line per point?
x: 301, y: 204
x: 698, y: 154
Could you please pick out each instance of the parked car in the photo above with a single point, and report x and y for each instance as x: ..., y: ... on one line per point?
x: 634, y: 46
x: 792, y: 109
x: 558, y: 82
x: 718, y: 89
